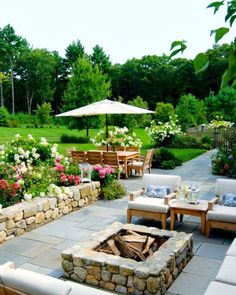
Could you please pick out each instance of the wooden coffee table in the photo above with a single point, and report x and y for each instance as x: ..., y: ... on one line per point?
x: 183, y: 207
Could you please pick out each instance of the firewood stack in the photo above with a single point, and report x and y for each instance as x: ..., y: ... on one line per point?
x: 130, y: 244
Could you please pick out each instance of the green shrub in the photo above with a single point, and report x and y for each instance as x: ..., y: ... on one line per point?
x: 165, y: 159
x: 4, y: 116
x: 114, y: 190
x: 170, y: 164
x: 43, y: 113
x: 24, y: 119
x: 185, y: 141
x: 74, y: 139
x: 207, y: 142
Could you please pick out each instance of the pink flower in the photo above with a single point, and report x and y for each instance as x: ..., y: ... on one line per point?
x: 15, y: 186
x: 59, y: 167
x: 97, y: 167
x: 4, y: 184
x: 102, y: 173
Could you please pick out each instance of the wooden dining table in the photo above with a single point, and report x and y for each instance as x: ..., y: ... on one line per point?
x: 124, y: 156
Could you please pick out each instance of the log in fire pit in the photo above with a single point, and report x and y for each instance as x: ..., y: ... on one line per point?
x: 131, y: 244
x: 129, y: 259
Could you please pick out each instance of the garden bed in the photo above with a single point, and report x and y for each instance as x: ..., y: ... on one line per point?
x: 27, y: 215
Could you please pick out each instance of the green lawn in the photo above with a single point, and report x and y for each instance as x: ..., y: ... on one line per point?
x: 53, y: 136
x: 187, y: 154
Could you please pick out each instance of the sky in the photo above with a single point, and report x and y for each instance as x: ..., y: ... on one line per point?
x: 124, y: 28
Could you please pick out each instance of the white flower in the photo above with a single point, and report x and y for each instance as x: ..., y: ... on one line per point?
x: 27, y: 196
x: 30, y: 137
x: 42, y: 194
x: 20, y: 150
x: 17, y: 136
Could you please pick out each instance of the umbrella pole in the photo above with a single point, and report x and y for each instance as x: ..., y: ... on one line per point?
x: 107, y: 130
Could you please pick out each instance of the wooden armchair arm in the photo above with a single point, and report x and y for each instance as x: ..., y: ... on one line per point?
x: 212, y: 202
x: 167, y: 198
x: 135, y: 194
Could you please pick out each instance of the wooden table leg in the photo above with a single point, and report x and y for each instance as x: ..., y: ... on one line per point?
x: 172, y: 218
x: 203, y: 223
x: 126, y: 168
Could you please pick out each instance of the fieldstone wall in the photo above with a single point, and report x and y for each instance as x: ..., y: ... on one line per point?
x: 152, y: 276
x: 25, y: 216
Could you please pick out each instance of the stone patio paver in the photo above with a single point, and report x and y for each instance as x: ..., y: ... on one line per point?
x: 65, y: 232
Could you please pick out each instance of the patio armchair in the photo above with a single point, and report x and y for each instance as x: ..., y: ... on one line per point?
x: 94, y: 158
x: 141, y: 163
x: 219, y: 215
x: 153, y: 207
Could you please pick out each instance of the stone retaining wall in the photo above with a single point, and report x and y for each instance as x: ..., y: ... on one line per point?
x: 25, y: 216
x: 152, y: 276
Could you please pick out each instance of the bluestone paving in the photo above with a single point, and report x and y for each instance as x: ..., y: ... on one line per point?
x: 44, y: 244
x: 207, y: 267
x: 25, y: 247
x: 212, y: 250
x: 189, y: 284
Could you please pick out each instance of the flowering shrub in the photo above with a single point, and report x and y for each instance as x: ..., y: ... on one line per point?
x: 59, y: 192
x: 224, y: 162
x: 9, y: 192
x: 31, y: 152
x: 161, y: 132
x: 105, y: 174
x: 65, y: 179
x: 27, y: 168
x: 220, y: 123
x: 117, y: 137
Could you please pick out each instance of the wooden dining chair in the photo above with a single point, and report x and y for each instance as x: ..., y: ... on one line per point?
x: 142, y: 163
x: 103, y: 148
x: 111, y: 159
x: 78, y: 156
x: 119, y: 148
x: 132, y: 148
x: 94, y: 158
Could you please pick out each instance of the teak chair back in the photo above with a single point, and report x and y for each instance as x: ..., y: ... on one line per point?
x: 78, y: 156
x: 111, y: 159
x: 94, y: 158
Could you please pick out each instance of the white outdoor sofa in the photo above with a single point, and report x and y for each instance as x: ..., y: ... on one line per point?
x: 21, y: 282
x: 225, y: 282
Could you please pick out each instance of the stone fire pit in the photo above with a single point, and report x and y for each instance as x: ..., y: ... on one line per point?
x: 154, y: 275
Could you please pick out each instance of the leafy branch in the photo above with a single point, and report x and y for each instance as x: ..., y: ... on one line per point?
x: 201, y: 61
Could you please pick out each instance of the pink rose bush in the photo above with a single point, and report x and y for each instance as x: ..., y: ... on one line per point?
x: 103, y: 173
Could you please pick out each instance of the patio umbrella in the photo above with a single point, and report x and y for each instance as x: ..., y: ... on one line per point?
x: 105, y: 107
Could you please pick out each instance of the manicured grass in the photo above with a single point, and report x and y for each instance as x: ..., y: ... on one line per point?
x: 53, y: 136
x: 187, y: 154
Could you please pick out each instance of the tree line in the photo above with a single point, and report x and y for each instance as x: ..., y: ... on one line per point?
x: 31, y: 77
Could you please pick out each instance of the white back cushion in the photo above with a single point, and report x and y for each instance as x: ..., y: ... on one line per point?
x: 173, y: 181
x: 30, y: 282
x: 225, y: 186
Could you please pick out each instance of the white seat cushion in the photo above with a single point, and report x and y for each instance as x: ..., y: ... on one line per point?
x: 232, y: 249
x: 79, y: 289
x: 34, y: 283
x: 222, y: 213
x: 149, y: 204
x: 227, y: 273
x: 216, y: 288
